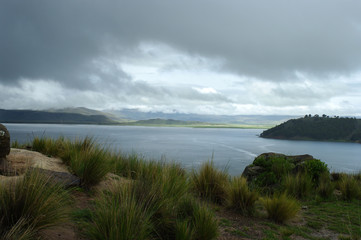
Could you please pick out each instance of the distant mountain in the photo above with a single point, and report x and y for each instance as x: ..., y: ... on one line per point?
x: 30, y: 116
x: 165, y: 122
x: 87, y: 112
x: 317, y: 128
x: 133, y: 114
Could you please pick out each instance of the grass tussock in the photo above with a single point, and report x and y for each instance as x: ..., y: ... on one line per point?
x: 86, y: 159
x: 281, y: 208
x: 349, y: 187
x: 151, y: 210
x: 325, y: 187
x: 31, y: 204
x: 239, y: 197
x: 120, y: 215
x: 210, y: 183
x: 299, y: 186
x: 90, y: 166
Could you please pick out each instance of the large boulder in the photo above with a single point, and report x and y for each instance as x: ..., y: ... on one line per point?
x: 65, y: 179
x: 268, y: 167
x: 4, y: 142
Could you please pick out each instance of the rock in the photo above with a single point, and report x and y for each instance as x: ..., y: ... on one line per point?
x: 263, y: 161
x: 66, y: 179
x: 251, y: 171
x: 4, y: 142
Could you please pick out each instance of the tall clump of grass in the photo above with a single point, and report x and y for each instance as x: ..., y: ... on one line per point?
x: 48, y: 146
x: 127, y: 165
x: 281, y: 208
x: 31, y: 204
x: 239, y: 197
x: 90, y: 165
x: 350, y: 188
x: 210, y: 183
x: 152, y: 208
x: 325, y: 187
x: 299, y: 186
x: 120, y: 215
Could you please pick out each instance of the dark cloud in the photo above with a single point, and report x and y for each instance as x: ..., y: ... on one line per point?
x: 263, y: 39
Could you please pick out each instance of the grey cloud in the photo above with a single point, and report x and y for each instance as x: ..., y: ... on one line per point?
x: 263, y: 39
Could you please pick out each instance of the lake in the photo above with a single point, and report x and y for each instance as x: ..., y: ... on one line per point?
x: 231, y: 148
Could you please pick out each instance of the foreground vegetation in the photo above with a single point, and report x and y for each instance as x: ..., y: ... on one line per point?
x: 160, y: 200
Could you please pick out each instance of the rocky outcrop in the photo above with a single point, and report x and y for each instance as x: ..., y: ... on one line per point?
x: 262, y: 162
x: 65, y: 179
x: 4, y: 142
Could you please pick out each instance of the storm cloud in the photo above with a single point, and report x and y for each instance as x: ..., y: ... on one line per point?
x: 252, y: 56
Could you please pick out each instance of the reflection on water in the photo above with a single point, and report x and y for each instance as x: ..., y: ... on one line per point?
x: 231, y: 148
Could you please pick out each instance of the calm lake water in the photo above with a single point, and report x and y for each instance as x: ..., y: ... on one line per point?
x: 232, y: 148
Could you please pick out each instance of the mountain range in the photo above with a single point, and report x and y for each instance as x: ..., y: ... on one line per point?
x: 82, y: 115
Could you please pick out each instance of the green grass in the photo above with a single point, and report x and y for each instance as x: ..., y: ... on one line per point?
x: 90, y: 166
x: 325, y: 186
x: 86, y: 159
x: 210, y: 183
x: 350, y: 188
x: 31, y: 204
x: 299, y: 186
x: 239, y: 197
x: 280, y: 208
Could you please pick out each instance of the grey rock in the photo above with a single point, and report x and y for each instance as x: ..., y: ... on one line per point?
x: 251, y: 171
x: 66, y: 179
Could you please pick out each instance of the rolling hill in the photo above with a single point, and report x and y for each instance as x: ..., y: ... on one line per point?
x: 317, y: 128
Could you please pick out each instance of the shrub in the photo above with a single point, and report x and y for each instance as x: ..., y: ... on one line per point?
x: 281, y: 208
x: 298, y: 186
x: 315, y: 168
x: 325, y: 187
x: 240, y: 197
x: 350, y: 188
x: 266, y: 179
x: 281, y: 166
x: 210, y: 183
x: 31, y: 204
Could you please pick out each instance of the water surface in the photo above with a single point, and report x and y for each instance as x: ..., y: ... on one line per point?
x: 232, y: 148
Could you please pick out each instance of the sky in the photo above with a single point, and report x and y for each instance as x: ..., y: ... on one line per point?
x: 192, y: 56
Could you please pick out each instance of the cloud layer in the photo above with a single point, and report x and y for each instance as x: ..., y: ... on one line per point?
x: 217, y: 57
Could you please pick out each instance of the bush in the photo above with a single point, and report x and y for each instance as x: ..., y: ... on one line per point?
x: 315, y: 168
x: 298, y: 186
x: 240, y: 197
x: 350, y: 188
x: 281, y: 208
x: 210, y: 183
x: 31, y: 204
x: 325, y: 187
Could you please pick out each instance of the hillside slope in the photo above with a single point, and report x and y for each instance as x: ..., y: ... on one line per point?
x: 30, y: 116
x: 317, y: 128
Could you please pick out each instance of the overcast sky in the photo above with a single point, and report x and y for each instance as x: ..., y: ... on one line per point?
x: 189, y: 56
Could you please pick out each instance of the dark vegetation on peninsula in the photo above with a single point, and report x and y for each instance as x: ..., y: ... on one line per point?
x: 320, y: 128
